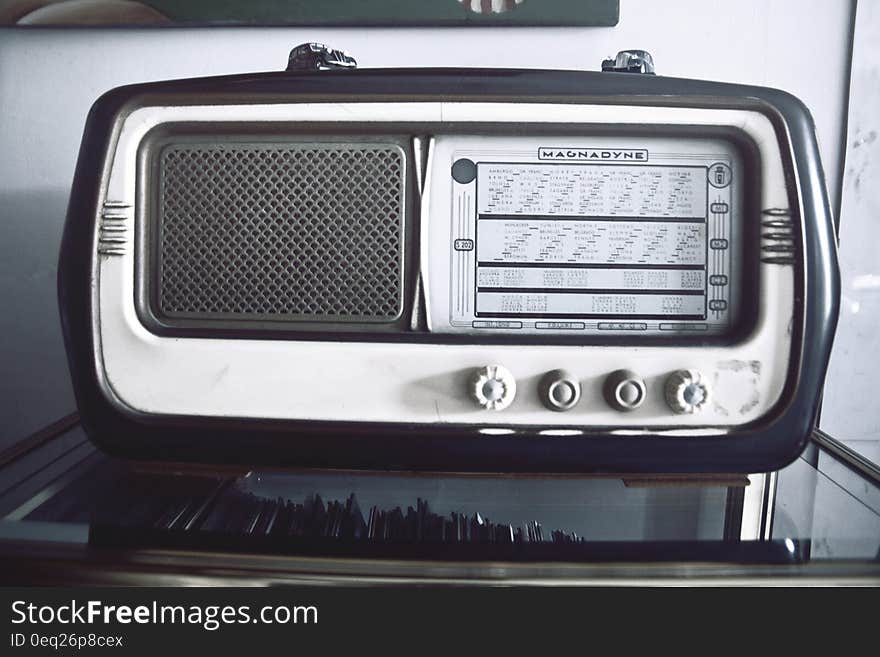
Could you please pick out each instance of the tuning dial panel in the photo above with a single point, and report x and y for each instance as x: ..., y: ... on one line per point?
x: 686, y: 391
x: 559, y: 390
x: 624, y: 390
x: 493, y: 387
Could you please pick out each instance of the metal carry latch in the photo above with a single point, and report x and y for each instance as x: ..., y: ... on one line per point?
x: 630, y: 61
x: 318, y: 57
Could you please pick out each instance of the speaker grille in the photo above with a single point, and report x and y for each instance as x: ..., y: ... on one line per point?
x: 309, y: 231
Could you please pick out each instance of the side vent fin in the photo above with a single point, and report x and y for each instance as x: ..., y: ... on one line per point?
x: 777, y: 237
x: 113, y: 229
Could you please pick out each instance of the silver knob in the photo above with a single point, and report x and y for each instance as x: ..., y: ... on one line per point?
x: 624, y: 390
x: 493, y: 387
x: 559, y: 390
x: 686, y: 391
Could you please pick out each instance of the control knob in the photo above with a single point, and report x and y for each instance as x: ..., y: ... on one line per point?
x: 559, y: 390
x: 687, y: 391
x: 624, y: 390
x: 493, y: 387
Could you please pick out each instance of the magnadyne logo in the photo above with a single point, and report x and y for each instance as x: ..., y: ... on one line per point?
x: 592, y: 154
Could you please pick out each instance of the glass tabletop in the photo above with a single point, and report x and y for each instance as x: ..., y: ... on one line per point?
x: 814, y: 511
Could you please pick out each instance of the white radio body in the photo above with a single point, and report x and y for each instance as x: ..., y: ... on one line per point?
x: 472, y: 270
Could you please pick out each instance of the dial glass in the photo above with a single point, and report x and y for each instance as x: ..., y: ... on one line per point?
x: 609, y: 236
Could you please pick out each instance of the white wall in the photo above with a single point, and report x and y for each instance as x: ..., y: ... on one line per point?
x: 850, y: 411
x: 49, y: 78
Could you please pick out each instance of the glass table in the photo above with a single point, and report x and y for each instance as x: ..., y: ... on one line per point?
x: 73, y: 515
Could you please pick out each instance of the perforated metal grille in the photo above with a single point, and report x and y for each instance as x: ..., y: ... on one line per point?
x: 281, y: 231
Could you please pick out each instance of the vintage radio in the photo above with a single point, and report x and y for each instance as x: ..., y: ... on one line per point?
x: 502, y: 270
